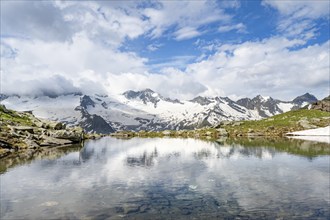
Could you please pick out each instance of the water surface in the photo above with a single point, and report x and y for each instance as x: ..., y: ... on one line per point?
x: 170, y: 178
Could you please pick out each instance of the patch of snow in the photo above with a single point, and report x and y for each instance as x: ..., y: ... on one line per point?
x: 312, y: 132
x: 304, y: 104
x: 285, y: 107
x: 265, y: 98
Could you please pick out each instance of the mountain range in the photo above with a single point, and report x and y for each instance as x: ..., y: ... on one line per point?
x: 148, y: 110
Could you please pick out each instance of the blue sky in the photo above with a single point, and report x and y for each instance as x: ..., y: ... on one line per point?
x: 178, y: 48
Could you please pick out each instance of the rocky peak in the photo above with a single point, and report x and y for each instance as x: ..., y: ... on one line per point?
x: 246, y: 102
x: 266, y: 106
x: 201, y: 100
x: 260, y: 98
x: 147, y: 96
x: 86, y: 101
x: 3, y: 97
x: 307, y: 97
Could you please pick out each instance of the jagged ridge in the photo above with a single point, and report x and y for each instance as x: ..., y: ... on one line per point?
x: 148, y: 110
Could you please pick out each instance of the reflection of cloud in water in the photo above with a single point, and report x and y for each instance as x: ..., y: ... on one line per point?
x: 115, y: 171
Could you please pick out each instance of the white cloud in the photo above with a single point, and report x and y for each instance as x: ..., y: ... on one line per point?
x: 83, y: 65
x: 298, y: 18
x: 271, y: 67
x: 65, y: 46
x: 33, y: 19
x: 61, y: 21
x: 186, y: 33
x: 179, y: 62
x: 80, y: 61
x: 110, y: 22
x: 184, y: 16
x: 240, y: 28
x: 154, y: 46
x: 171, y: 83
x: 302, y: 8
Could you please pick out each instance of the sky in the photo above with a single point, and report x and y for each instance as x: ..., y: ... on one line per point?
x: 180, y: 49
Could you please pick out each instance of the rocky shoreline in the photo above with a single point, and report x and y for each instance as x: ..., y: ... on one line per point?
x: 21, y: 131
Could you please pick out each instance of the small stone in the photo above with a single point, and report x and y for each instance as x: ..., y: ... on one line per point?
x: 166, y: 133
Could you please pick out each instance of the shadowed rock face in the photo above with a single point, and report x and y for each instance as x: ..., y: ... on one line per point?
x: 201, y: 100
x: 96, y: 124
x: 92, y: 123
x: 304, y: 98
x: 86, y: 101
x: 263, y: 106
x: 147, y: 96
x: 323, y: 105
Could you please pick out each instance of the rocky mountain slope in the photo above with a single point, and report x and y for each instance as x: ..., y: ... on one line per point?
x: 267, y: 106
x: 23, y: 131
x: 148, y: 110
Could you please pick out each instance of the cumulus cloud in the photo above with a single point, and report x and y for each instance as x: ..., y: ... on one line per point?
x: 171, y: 83
x: 80, y: 61
x: 50, y: 86
x: 272, y: 66
x: 33, y: 19
x: 49, y: 47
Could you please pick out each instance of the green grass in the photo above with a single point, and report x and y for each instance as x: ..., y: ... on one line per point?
x: 12, y: 116
x: 288, y: 121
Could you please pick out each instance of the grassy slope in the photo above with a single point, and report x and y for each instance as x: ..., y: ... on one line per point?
x: 12, y: 117
x: 282, y: 123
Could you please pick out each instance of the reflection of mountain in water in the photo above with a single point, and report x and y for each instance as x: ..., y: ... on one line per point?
x: 145, y: 160
x: 262, y: 148
x: 231, y: 148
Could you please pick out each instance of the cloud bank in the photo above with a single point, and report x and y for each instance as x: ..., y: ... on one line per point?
x: 61, y: 47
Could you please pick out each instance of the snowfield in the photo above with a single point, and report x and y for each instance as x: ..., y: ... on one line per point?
x: 312, y: 132
x: 318, y: 134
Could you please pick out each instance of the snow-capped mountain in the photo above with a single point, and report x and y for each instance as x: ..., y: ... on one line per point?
x: 267, y: 106
x: 147, y: 110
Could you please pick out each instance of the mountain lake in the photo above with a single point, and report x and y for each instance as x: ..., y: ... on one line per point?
x: 169, y: 178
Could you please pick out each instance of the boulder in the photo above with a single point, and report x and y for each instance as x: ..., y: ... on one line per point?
x: 72, y: 135
x: 305, y: 124
x: 166, y: 133
x: 237, y: 123
x: 51, y: 141
x: 59, y: 126
x: 222, y: 132
x: 208, y: 133
x: 22, y: 129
